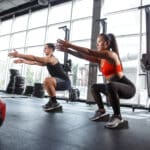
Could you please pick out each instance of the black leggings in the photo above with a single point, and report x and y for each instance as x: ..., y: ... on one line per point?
x: 122, y: 88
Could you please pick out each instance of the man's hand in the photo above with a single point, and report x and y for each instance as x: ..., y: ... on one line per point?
x: 13, y: 54
x: 19, y: 61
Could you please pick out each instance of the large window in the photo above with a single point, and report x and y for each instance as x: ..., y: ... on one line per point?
x: 5, y: 27
x: 18, y: 40
x: 124, y: 23
x: 128, y: 46
x: 54, y: 33
x: 36, y: 37
x: 20, y: 23
x: 111, y: 6
x: 3, y: 68
x: 33, y: 73
x: 4, y: 40
x: 82, y: 8
x: 38, y: 19
x: 13, y: 65
x: 84, y: 32
x: 145, y: 2
x: 60, y: 13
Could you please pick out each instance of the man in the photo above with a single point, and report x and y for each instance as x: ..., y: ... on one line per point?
x: 58, y: 80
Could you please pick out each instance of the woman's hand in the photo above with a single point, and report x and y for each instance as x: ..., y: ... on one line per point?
x: 13, y: 54
x: 62, y: 48
x: 64, y: 44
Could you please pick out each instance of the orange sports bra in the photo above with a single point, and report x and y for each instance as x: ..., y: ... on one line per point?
x: 107, y: 69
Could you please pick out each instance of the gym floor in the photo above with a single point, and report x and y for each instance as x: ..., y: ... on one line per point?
x: 28, y: 127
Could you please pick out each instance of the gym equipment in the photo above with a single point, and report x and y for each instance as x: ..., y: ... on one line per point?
x: 2, y: 112
x: 16, y: 83
x: 67, y: 65
x: 145, y: 62
x: 11, y: 84
x: 19, y: 85
x: 145, y: 57
x: 38, y: 90
x: 74, y: 94
x: 28, y: 90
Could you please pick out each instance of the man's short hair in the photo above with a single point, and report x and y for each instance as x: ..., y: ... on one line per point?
x: 51, y: 45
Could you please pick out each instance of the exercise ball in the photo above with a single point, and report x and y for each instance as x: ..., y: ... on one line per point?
x: 2, y: 112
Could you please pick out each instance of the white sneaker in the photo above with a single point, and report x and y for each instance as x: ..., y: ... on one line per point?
x: 100, y: 116
x: 116, y: 122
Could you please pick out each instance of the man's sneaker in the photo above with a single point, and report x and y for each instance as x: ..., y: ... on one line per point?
x: 51, y: 105
x: 47, y: 104
x: 100, y: 116
x: 116, y: 123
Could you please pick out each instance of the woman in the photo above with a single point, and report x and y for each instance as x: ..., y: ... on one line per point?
x: 118, y: 86
x: 58, y: 80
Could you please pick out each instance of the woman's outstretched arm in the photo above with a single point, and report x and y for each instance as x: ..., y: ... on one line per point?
x: 78, y: 54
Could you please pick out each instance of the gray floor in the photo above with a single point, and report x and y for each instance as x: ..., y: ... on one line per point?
x: 28, y: 127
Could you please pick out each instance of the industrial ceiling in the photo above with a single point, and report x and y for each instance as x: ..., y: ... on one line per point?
x: 18, y: 7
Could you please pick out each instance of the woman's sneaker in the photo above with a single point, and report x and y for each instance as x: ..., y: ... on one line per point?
x: 115, y: 122
x: 51, y: 105
x: 99, y: 116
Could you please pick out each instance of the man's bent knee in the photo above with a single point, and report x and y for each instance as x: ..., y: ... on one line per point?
x: 49, y: 81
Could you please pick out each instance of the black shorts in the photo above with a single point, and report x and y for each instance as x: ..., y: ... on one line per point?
x: 62, y: 85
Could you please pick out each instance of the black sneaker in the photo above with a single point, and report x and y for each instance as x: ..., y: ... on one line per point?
x: 116, y: 122
x: 46, y: 105
x: 100, y: 116
x: 51, y: 105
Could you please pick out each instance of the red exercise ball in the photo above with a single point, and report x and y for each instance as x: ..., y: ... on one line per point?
x: 2, y: 112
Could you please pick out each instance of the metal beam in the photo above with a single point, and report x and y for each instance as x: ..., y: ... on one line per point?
x: 92, y: 77
x: 147, y: 14
x: 147, y: 11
